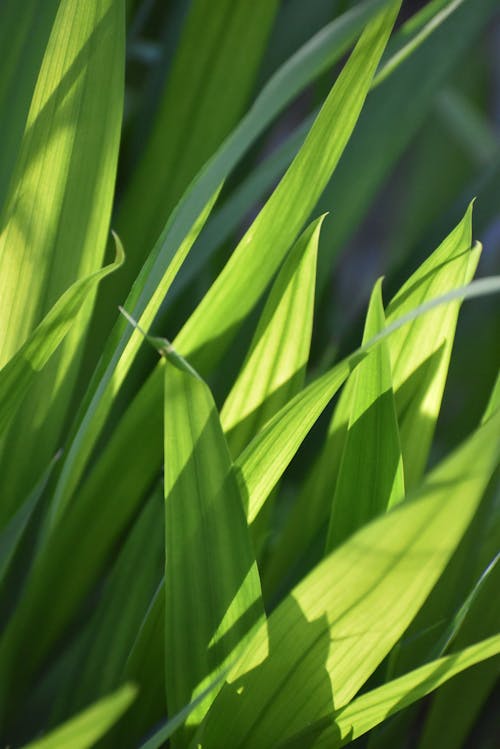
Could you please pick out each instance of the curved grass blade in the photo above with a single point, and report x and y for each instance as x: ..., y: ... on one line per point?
x: 274, y: 368
x: 210, y: 328
x: 338, y: 624
x: 393, y: 113
x: 231, y: 214
x: 18, y: 375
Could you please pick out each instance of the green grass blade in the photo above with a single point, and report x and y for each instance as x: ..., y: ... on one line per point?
x: 375, y: 706
x: 203, y: 100
x: 370, y: 478
x: 420, y: 357
x: 87, y: 728
x: 210, y: 328
x: 23, y: 39
x: 274, y: 369
x: 21, y: 371
x: 213, y: 599
x: 262, y: 463
x: 345, y: 616
x: 55, y: 222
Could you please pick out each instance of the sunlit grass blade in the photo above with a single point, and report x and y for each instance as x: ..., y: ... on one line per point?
x: 213, y: 601
x: 21, y: 371
x: 274, y: 369
x: 378, y: 705
x: 420, y: 357
x: 55, y: 223
x: 210, y: 328
x: 370, y: 478
x: 345, y: 616
x: 83, y: 731
x: 117, y: 358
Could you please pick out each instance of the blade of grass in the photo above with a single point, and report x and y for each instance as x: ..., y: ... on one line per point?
x: 213, y: 600
x: 203, y: 100
x: 210, y: 328
x: 392, y: 116
x: 274, y: 368
x: 370, y: 478
x: 23, y: 39
x: 21, y: 371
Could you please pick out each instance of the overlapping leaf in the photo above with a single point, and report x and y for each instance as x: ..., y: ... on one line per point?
x: 274, y: 368
x: 338, y: 624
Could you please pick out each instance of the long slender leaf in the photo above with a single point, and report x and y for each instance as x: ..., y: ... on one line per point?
x: 210, y: 328
x: 274, y: 368
x: 213, y: 600
x: 23, y: 38
x: 20, y: 372
x: 204, y: 97
x: 370, y: 478
x: 393, y: 115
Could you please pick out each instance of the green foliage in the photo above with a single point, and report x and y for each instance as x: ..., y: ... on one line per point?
x: 189, y: 555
